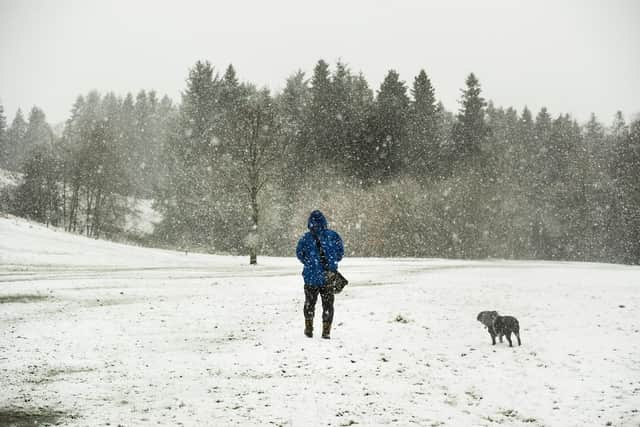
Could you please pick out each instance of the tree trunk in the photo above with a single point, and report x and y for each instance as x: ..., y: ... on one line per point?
x: 253, y: 256
x: 97, y: 207
x: 253, y: 239
x: 88, y: 208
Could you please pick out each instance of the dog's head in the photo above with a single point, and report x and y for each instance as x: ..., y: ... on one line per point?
x: 487, y: 317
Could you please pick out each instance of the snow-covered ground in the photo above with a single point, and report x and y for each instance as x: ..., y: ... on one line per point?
x: 9, y: 179
x: 142, y: 218
x: 97, y: 333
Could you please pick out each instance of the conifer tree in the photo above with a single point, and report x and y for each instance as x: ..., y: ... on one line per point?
x: 627, y: 182
x: 3, y: 139
x: 38, y: 131
x: 320, y: 119
x: 593, y: 186
x: 422, y: 154
x: 470, y: 130
x: 37, y: 197
x: 389, y: 127
x: 360, y: 106
x: 199, y: 111
x: 190, y: 195
x: 230, y: 91
x: 292, y: 106
x: 16, y: 141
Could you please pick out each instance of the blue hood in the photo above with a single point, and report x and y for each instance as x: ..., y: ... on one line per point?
x: 317, y: 221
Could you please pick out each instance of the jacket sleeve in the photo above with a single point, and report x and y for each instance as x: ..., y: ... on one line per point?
x: 339, y: 247
x: 300, y: 254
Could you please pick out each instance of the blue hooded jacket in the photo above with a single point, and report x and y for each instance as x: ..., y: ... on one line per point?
x: 309, y: 255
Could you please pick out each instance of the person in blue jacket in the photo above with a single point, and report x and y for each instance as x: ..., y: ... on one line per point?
x: 308, y: 253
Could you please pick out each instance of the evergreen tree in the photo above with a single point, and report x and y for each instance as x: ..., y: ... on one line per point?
x: 470, y: 130
x: 565, y: 164
x: 616, y: 134
x: 72, y: 176
x: 360, y: 107
x: 319, y: 119
x: 232, y: 96
x: 164, y: 114
x: 144, y: 147
x: 422, y: 155
x: 389, y: 127
x: 502, y: 204
x: 627, y: 183
x: 38, y: 132
x: 16, y: 141
x: 445, y: 121
x: 199, y: 111
x: 129, y: 135
x: 526, y: 147
x: 292, y: 106
x: 537, y: 183
x: 4, y: 149
x: 189, y: 193
x: 595, y: 189
x: 230, y: 90
x: 337, y: 144
x: 37, y: 197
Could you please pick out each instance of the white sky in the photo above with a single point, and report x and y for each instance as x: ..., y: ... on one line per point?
x: 572, y: 56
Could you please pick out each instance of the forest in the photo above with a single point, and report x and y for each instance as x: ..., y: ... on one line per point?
x: 235, y: 169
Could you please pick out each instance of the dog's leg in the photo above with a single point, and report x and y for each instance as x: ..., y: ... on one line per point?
x: 517, y: 332
x: 492, y: 332
x: 508, y: 335
x: 501, y: 335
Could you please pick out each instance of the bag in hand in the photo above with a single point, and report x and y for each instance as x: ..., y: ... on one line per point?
x: 335, y: 281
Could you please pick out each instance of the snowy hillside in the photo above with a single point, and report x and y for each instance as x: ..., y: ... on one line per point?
x: 8, y: 178
x: 97, y: 333
x: 142, y: 218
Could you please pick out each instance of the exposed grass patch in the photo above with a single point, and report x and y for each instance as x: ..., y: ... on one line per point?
x: 401, y: 319
x: 23, y: 417
x: 24, y: 298
x: 62, y: 371
x: 103, y: 302
x: 371, y: 283
x: 55, y: 374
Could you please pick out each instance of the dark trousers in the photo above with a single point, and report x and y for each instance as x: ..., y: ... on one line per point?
x: 310, y: 298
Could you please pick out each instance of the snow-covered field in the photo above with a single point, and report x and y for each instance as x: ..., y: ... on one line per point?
x: 97, y: 333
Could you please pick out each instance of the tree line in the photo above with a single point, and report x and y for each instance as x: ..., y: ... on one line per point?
x: 84, y: 180
x: 235, y: 169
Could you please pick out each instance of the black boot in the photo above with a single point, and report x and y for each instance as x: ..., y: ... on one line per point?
x: 326, y: 330
x: 308, y: 327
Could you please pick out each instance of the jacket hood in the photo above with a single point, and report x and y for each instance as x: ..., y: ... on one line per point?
x: 317, y: 221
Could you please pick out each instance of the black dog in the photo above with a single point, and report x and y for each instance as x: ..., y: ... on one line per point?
x: 487, y: 318
x: 505, y: 325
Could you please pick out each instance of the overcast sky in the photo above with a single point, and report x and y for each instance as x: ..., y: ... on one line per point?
x: 577, y: 57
